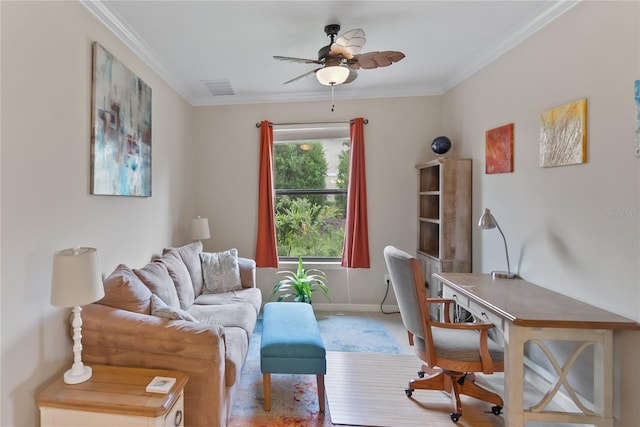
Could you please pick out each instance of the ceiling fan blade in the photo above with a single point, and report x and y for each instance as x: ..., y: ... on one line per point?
x: 372, y: 60
x: 297, y: 60
x: 349, y: 43
x: 302, y: 76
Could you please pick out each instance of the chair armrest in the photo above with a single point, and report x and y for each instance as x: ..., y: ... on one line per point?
x: 447, y: 306
x: 247, y: 272
x: 483, y: 328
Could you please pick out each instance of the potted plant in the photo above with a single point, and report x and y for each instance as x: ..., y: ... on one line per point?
x: 300, y: 284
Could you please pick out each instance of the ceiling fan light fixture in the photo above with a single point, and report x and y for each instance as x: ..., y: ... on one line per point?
x: 333, y: 75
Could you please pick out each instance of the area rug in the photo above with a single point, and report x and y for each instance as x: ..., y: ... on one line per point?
x: 294, y: 398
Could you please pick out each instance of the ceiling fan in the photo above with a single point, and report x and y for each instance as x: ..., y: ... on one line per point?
x: 340, y: 59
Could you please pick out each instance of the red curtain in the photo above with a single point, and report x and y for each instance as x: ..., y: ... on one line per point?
x: 266, y: 247
x: 356, y: 234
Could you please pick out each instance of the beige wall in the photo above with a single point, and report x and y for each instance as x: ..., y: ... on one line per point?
x: 396, y: 139
x: 46, y: 206
x: 574, y: 229
x: 205, y: 163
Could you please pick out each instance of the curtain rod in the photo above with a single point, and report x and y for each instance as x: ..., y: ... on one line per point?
x: 366, y: 121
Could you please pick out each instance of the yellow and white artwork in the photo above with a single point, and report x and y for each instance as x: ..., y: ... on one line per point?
x: 563, y: 135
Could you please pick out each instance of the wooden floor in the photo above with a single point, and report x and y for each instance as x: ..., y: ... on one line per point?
x: 367, y: 389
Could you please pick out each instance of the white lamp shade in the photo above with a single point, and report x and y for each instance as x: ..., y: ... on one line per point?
x: 200, y: 229
x: 333, y: 75
x: 76, y: 278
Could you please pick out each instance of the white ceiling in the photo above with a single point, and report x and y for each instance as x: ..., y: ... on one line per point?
x: 445, y: 42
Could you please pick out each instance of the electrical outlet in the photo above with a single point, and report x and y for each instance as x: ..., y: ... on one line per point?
x: 387, y: 280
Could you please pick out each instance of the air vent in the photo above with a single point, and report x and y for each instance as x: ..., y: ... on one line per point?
x: 219, y: 87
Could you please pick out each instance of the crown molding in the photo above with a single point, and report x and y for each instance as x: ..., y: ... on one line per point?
x: 340, y: 95
x: 505, y: 45
x: 133, y: 41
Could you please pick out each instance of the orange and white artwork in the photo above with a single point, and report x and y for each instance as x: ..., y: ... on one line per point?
x: 499, y: 150
x: 563, y: 135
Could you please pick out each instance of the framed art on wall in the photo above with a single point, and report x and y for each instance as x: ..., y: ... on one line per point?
x: 563, y: 135
x: 499, y: 150
x: 637, y: 98
x: 120, y: 129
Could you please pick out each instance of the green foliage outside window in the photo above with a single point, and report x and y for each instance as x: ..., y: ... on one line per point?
x: 310, y: 225
x: 343, y: 171
x: 305, y: 228
x: 298, y: 167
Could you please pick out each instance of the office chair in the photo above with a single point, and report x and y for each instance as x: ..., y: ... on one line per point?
x: 452, y: 352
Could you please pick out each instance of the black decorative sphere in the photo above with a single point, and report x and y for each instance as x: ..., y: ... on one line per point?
x: 441, y: 145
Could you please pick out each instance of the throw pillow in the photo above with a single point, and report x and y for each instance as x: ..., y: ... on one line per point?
x: 180, y: 276
x: 160, y: 309
x: 190, y: 255
x: 156, y: 276
x: 221, y: 271
x: 123, y: 290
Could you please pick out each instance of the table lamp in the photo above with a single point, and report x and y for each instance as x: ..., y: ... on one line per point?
x: 488, y: 221
x: 76, y: 281
x: 200, y: 229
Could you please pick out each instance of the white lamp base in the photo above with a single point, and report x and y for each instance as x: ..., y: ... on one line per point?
x: 503, y: 275
x: 78, y: 375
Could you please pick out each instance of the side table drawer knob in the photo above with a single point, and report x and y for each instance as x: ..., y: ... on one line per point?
x: 178, y: 419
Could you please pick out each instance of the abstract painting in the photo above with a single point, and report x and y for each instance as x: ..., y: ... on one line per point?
x: 563, y: 135
x: 121, y: 129
x: 637, y: 118
x: 499, y: 150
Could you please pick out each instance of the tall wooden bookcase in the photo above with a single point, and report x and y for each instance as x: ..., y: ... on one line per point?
x: 444, y: 220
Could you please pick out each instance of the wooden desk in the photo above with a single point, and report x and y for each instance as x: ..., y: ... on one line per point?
x: 526, y: 312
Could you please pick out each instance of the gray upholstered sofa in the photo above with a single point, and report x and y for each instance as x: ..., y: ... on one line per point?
x: 189, y: 328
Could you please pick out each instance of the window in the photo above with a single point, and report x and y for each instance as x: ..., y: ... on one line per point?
x: 311, y: 171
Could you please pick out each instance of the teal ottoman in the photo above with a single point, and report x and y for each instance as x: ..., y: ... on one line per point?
x: 291, y: 344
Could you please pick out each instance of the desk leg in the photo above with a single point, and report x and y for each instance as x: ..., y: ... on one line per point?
x: 515, y: 338
x: 602, y: 342
x: 603, y: 378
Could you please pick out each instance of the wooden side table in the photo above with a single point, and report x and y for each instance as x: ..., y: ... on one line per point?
x: 114, y: 396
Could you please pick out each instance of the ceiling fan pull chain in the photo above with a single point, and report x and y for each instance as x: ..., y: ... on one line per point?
x: 333, y: 104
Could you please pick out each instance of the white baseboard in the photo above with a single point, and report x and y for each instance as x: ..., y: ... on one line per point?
x: 358, y: 308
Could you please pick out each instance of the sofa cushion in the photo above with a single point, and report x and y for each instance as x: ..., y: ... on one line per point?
x: 221, y: 271
x: 190, y: 255
x: 180, y: 276
x: 236, y: 346
x: 160, y: 309
x: 156, y: 276
x: 241, y: 315
x: 124, y: 290
x: 251, y: 296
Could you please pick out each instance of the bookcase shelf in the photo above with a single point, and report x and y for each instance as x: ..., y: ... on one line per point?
x: 444, y: 219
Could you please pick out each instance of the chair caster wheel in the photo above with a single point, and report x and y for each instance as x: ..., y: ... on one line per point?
x: 496, y: 410
x: 421, y: 374
x: 455, y: 417
x: 408, y: 392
